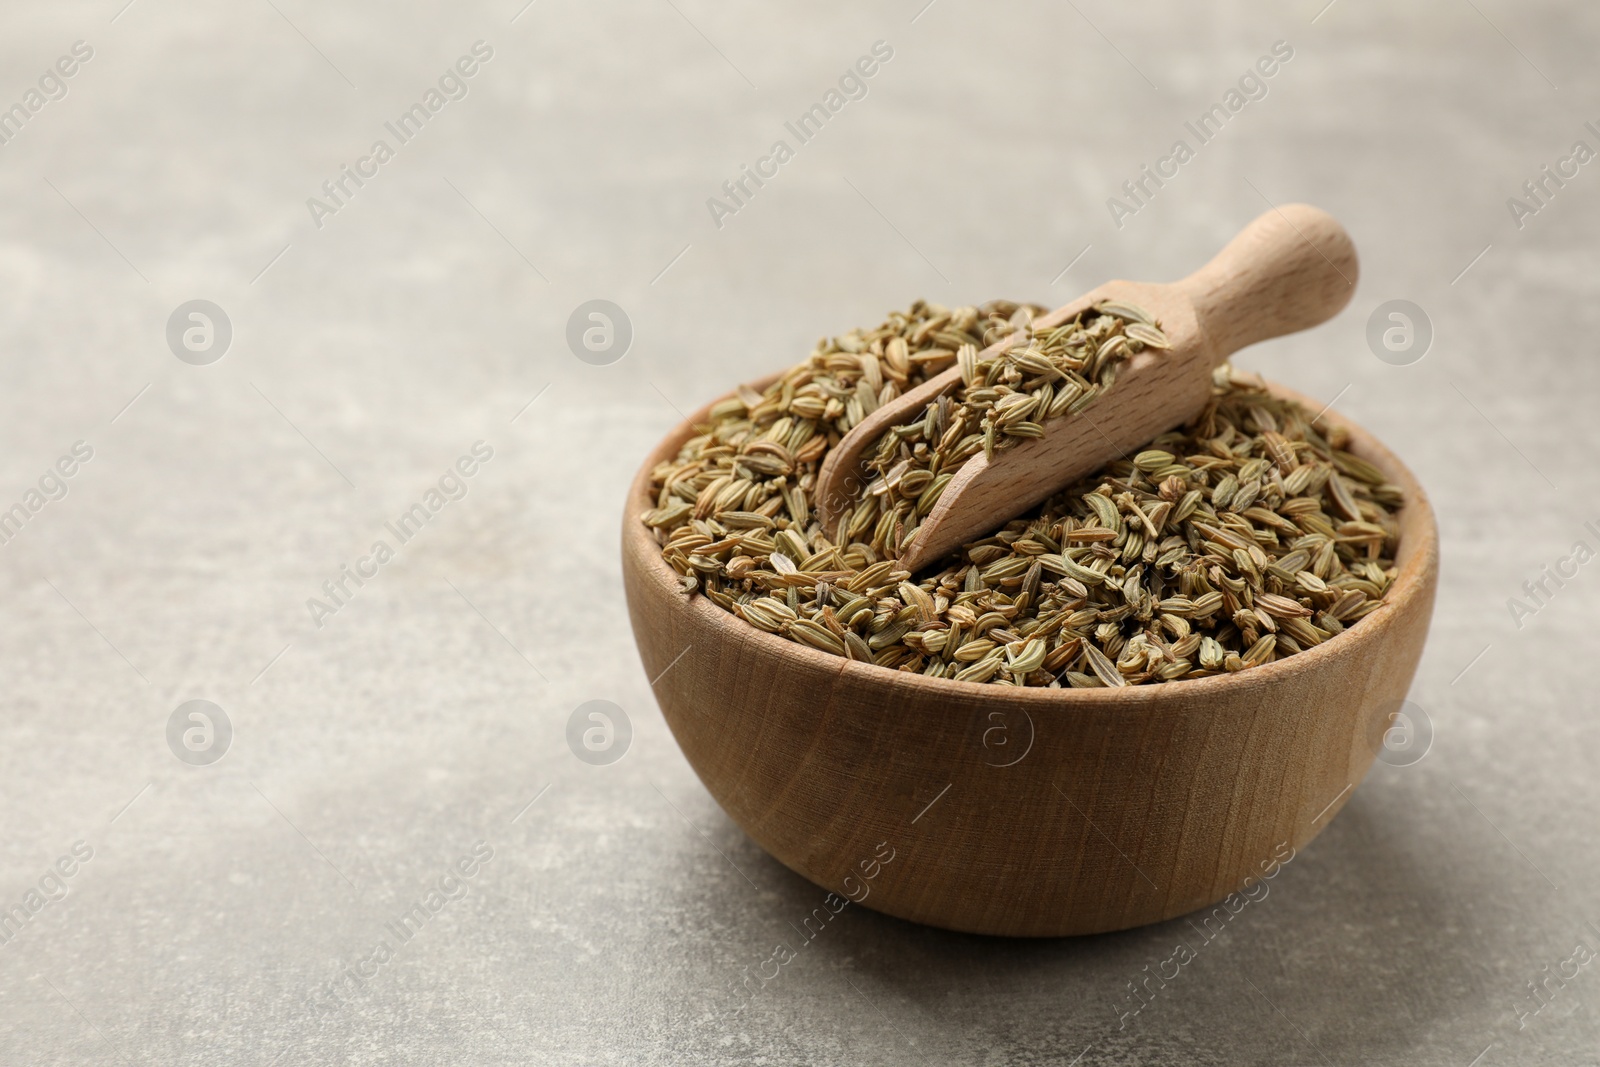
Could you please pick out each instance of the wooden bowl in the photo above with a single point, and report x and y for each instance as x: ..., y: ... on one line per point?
x: 1025, y: 812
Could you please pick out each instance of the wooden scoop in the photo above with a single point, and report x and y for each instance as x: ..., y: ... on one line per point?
x: 1292, y: 268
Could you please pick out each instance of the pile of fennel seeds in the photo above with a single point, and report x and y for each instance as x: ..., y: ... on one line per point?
x: 1004, y: 400
x: 1243, y: 537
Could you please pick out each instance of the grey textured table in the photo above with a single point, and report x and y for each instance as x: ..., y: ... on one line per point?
x: 232, y: 912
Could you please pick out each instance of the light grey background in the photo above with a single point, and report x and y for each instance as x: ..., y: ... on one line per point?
x: 368, y: 354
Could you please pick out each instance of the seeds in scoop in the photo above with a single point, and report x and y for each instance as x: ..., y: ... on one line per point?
x: 1151, y: 336
x: 1246, y: 536
x: 1004, y: 399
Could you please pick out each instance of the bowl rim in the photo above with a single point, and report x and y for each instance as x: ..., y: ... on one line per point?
x: 1417, y: 559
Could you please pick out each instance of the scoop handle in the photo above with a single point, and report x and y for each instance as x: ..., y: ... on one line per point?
x: 1292, y: 268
